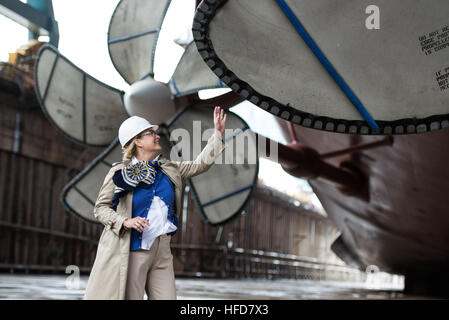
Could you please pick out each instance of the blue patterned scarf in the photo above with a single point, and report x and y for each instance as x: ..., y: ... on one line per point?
x: 141, y: 174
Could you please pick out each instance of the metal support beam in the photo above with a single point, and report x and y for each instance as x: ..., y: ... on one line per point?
x: 387, y: 141
x: 39, y: 23
x: 304, y: 162
x: 291, y: 129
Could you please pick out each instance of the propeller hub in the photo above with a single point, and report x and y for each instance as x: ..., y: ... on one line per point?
x: 149, y: 99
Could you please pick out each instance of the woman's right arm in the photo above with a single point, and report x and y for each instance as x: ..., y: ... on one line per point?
x: 103, y: 211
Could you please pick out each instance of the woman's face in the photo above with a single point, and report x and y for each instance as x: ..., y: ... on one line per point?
x: 148, y: 140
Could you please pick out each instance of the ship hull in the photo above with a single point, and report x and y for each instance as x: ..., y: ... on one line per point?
x: 403, y: 225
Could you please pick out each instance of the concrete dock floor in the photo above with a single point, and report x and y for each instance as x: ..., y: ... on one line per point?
x: 44, y: 287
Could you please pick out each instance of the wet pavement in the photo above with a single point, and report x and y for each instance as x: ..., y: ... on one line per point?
x: 62, y: 287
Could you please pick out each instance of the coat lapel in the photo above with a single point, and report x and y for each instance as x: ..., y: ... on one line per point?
x: 170, y: 170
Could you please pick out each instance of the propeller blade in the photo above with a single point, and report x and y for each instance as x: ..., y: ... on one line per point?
x: 192, y: 74
x: 80, y: 194
x: 133, y: 33
x: 320, y: 65
x: 86, y: 110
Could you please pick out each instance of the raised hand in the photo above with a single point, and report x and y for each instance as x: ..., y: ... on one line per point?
x: 219, y: 119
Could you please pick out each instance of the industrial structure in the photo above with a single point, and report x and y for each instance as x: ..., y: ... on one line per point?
x: 381, y: 177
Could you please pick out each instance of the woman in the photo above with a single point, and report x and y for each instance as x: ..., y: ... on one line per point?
x: 138, y: 204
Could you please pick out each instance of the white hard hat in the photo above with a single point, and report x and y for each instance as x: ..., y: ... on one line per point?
x: 131, y: 127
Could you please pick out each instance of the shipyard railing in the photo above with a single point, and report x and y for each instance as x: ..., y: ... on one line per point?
x: 224, y: 262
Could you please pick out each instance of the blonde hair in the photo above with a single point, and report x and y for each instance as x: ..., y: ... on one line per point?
x: 129, y: 150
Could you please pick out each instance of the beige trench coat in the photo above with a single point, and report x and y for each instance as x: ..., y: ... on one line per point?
x: 107, y: 279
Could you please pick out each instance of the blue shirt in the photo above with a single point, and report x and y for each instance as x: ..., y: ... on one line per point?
x: 161, y: 189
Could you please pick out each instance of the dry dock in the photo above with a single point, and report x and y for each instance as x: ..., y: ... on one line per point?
x: 49, y: 287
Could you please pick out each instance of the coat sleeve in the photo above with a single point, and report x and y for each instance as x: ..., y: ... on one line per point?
x: 103, y: 211
x: 205, y: 160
